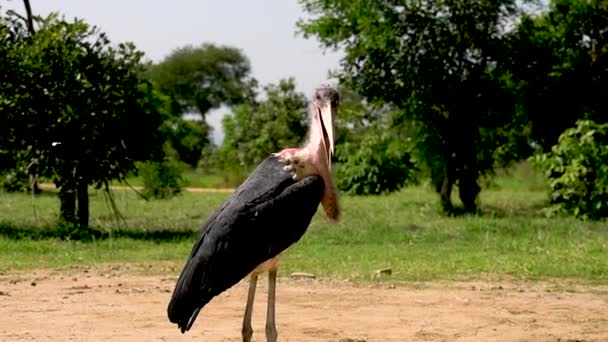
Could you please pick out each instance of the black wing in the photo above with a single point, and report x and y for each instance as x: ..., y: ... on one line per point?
x: 266, y: 214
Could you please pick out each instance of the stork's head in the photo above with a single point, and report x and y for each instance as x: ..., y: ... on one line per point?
x: 325, y: 104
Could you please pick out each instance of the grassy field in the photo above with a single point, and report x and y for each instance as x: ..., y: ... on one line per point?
x: 199, y: 179
x: 193, y: 178
x: 404, y: 231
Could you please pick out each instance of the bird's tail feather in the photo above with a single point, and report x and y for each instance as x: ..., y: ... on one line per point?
x: 190, y: 321
x: 186, y: 301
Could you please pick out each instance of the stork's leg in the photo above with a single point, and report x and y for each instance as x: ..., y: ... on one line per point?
x: 271, y: 328
x: 247, y: 330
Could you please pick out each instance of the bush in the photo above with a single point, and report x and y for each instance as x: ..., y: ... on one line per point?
x: 577, y: 169
x: 374, y: 166
x: 161, y: 179
x: 15, y: 182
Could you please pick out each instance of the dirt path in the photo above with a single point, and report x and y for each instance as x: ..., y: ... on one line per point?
x: 111, y: 303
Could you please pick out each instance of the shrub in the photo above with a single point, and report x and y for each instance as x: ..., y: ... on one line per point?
x: 375, y: 165
x: 14, y: 181
x: 577, y: 169
x: 17, y: 180
x: 161, y: 179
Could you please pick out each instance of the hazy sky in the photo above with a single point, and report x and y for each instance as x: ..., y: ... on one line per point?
x: 263, y: 29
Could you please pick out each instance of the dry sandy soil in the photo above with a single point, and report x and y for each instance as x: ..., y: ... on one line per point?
x: 120, y: 303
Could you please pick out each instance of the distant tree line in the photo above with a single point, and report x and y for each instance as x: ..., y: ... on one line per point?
x: 79, y: 111
x: 474, y: 83
x: 444, y: 90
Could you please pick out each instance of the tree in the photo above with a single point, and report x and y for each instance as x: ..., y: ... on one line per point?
x: 372, y: 157
x: 8, y: 76
x: 188, y: 138
x: 197, y: 80
x: 12, y: 29
x: 202, y: 78
x: 560, y: 64
x: 253, y: 131
x: 356, y: 117
x: 76, y: 109
x: 30, y: 20
x: 439, y: 63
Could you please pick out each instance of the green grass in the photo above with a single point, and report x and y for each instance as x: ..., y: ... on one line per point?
x: 199, y: 179
x: 521, y: 177
x: 185, y: 211
x: 54, y: 253
x: 404, y: 231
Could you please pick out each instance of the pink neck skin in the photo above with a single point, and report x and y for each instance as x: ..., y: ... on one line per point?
x: 316, y: 148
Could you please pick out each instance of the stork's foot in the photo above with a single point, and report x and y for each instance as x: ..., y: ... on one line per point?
x: 298, y: 162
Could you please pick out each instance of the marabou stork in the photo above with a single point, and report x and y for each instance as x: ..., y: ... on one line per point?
x: 269, y: 212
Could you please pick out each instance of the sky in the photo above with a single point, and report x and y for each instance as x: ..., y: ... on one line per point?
x: 263, y: 29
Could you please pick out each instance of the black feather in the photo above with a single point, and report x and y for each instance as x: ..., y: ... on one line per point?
x: 266, y: 214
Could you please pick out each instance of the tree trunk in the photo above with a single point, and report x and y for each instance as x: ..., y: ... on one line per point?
x: 83, y: 204
x: 67, y: 209
x: 446, y: 190
x: 30, y: 20
x: 469, y: 189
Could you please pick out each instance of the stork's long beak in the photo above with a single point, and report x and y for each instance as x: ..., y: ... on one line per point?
x: 327, y: 120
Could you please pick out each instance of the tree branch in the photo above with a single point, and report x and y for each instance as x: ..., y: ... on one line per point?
x: 30, y: 21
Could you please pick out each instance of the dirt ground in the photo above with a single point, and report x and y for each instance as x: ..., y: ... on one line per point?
x: 119, y: 303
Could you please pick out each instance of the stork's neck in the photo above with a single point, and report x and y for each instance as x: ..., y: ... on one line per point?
x: 316, y: 143
x: 318, y: 151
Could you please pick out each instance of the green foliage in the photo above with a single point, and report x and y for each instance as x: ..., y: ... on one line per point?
x: 356, y: 116
x: 438, y: 62
x: 560, y: 66
x: 85, y: 102
x: 74, y: 108
x: 161, y: 179
x: 253, y: 131
x: 14, y: 180
x: 188, y: 138
x: 374, y: 156
x: 198, y: 79
x: 577, y: 170
x: 376, y: 165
